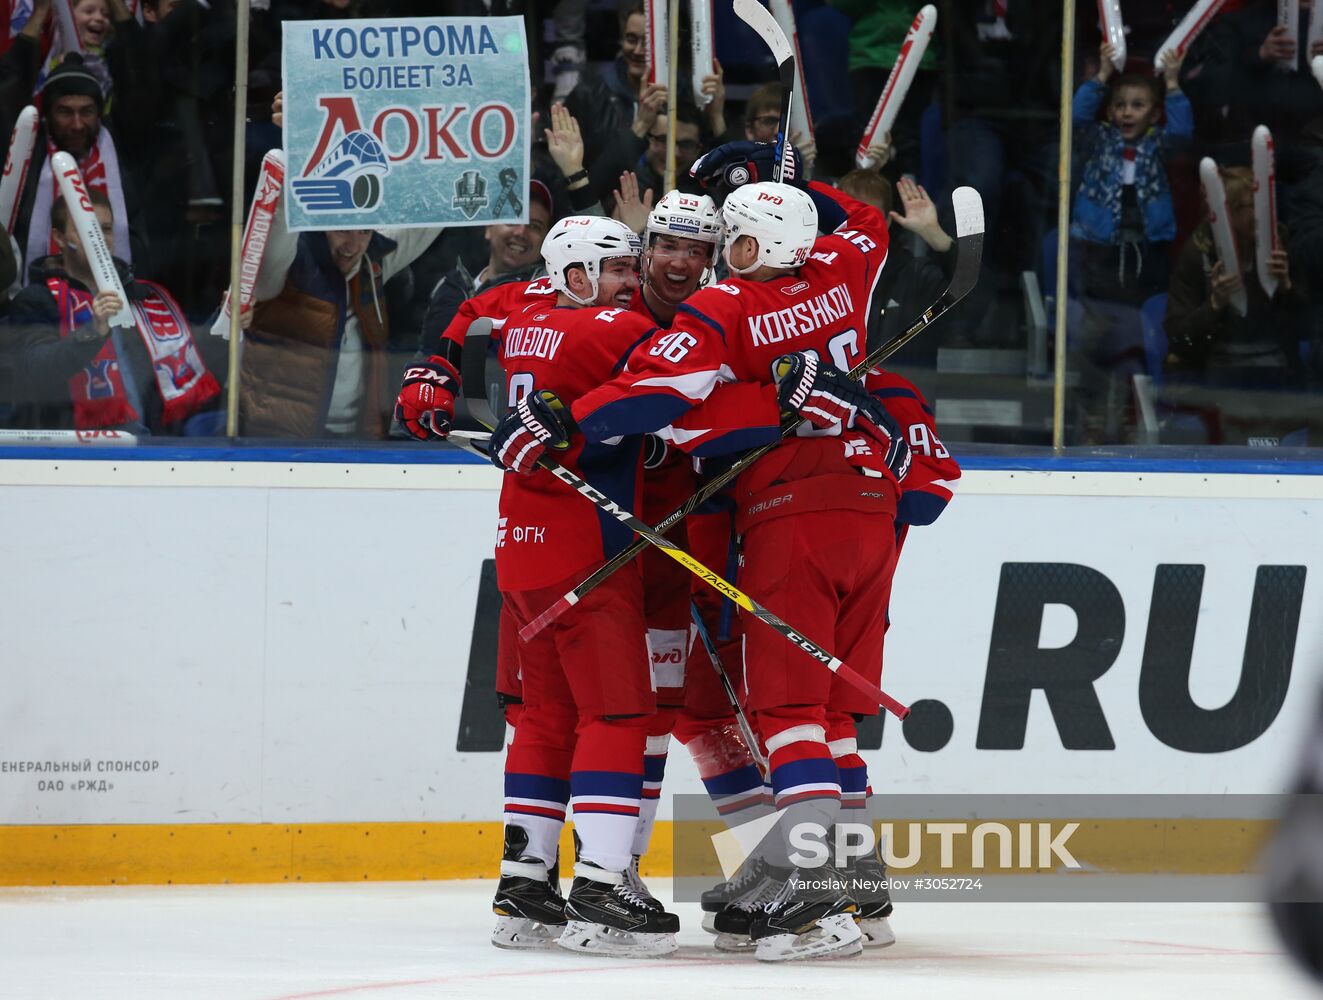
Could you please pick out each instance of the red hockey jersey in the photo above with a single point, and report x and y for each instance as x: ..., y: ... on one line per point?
x: 734, y: 332
x: 546, y: 530
x: 495, y: 304
x: 933, y: 474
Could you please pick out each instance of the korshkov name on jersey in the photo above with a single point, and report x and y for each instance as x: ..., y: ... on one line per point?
x: 804, y: 317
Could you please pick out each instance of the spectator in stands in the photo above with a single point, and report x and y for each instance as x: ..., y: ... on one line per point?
x: 1123, y: 221
x: 762, y: 116
x: 9, y: 261
x: 174, y: 86
x: 515, y: 255
x: 1003, y: 79
x: 876, y: 36
x: 1212, y: 345
x: 1306, y: 217
x: 651, y: 167
x: 9, y: 286
x: 20, y: 66
x: 315, y: 357
x: 27, y: 62
x: 618, y: 110
x: 909, y: 282
x: 1244, y: 71
x: 77, y: 371
x: 72, y: 103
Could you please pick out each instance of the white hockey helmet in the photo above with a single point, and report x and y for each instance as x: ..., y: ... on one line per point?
x: 783, y: 219
x: 585, y: 241
x: 693, y: 216
x: 688, y: 216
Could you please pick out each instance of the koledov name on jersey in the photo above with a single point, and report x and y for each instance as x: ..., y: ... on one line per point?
x: 532, y: 342
x: 821, y: 310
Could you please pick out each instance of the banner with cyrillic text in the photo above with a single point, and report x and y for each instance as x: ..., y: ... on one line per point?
x: 406, y: 122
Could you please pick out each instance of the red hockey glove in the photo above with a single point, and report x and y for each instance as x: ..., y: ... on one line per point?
x: 426, y: 403
x: 537, y: 422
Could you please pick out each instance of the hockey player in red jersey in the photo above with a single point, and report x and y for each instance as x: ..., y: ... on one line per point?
x: 682, y: 238
x: 586, y: 687
x: 425, y: 406
x: 816, y: 515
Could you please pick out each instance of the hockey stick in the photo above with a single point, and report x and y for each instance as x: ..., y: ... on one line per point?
x: 760, y: 19
x: 741, y: 719
x: 969, y: 255
x: 473, y: 380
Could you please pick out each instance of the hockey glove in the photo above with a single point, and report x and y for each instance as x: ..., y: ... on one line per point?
x: 537, y: 422
x: 426, y: 403
x: 734, y: 164
x: 830, y: 400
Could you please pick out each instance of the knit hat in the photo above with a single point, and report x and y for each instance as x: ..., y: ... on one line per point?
x: 71, y: 78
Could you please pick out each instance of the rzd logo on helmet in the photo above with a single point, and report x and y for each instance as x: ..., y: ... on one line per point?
x: 775, y: 199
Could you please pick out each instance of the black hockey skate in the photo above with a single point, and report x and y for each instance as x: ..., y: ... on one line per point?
x: 606, y: 916
x: 730, y: 907
x: 635, y: 881
x: 869, y: 890
x: 811, y: 916
x: 530, y: 911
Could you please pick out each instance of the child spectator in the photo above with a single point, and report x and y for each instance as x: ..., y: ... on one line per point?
x: 1123, y: 220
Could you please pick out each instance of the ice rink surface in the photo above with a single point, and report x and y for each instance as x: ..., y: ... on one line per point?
x: 403, y: 941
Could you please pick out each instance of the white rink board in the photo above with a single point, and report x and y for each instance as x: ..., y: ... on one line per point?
x: 299, y: 654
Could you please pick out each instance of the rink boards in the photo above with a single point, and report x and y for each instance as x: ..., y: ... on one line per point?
x: 276, y: 664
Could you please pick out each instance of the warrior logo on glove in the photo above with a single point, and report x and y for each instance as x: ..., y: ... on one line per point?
x: 537, y: 422
x: 833, y: 402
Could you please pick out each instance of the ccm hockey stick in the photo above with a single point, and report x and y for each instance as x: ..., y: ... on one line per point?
x: 474, y: 387
x: 741, y: 719
x: 760, y: 19
x: 969, y: 256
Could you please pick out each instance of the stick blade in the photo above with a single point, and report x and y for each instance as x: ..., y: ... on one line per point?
x: 968, y: 206
x: 760, y: 19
